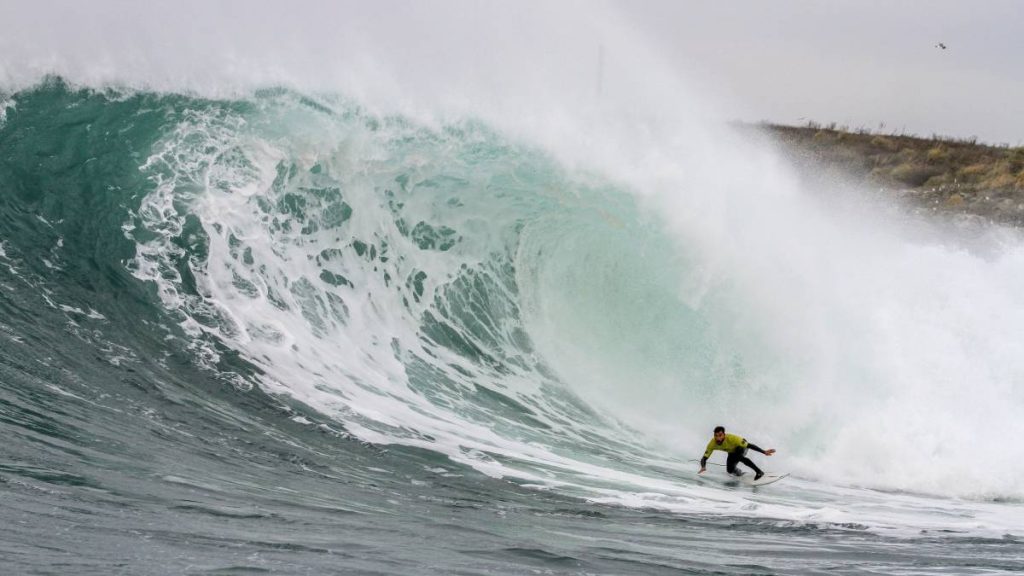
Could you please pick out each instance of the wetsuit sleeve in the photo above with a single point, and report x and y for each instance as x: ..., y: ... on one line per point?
x: 707, y: 453
x: 755, y: 447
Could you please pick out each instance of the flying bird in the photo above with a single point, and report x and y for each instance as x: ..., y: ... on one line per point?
x: 940, y: 45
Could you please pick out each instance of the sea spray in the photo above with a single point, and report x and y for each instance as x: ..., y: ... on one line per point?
x: 512, y: 274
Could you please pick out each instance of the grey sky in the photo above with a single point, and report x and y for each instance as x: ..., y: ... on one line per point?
x: 860, y: 63
x: 856, y: 62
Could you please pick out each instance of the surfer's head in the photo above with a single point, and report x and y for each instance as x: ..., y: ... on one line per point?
x: 719, y: 434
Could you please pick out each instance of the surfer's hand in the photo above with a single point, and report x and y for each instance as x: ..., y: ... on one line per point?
x: 701, y: 471
x: 769, y: 452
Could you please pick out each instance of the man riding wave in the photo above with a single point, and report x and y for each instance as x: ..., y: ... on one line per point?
x: 736, y: 447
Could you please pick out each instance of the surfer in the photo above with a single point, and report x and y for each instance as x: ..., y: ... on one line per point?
x: 736, y: 447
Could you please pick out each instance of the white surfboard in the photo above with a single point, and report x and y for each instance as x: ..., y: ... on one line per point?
x: 748, y: 479
x: 745, y: 480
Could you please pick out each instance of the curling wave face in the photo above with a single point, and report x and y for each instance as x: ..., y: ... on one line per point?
x: 454, y: 288
x: 372, y: 267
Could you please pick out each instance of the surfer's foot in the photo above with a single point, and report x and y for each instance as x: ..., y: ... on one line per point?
x: 758, y: 475
x: 737, y: 473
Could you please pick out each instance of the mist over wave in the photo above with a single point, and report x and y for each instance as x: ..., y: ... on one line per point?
x: 487, y: 256
x: 390, y: 253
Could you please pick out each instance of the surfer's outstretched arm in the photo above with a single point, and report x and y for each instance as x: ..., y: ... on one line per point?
x: 707, y: 454
x: 757, y: 448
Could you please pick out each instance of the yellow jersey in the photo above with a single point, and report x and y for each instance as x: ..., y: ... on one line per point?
x: 730, y: 443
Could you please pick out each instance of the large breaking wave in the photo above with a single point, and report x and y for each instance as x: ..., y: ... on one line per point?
x: 573, y: 324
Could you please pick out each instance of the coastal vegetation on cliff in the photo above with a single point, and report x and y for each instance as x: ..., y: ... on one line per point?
x: 960, y: 176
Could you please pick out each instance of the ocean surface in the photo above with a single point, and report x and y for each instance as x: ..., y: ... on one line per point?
x: 286, y: 332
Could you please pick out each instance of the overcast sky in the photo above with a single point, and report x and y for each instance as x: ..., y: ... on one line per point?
x: 855, y: 62
x: 863, y: 63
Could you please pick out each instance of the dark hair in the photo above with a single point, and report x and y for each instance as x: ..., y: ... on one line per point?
x: 719, y: 429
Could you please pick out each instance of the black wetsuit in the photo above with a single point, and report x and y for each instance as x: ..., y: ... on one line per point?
x: 740, y: 455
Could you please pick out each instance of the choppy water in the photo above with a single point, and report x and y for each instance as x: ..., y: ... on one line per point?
x: 282, y: 333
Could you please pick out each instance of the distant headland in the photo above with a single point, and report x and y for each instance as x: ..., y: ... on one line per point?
x: 940, y: 174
